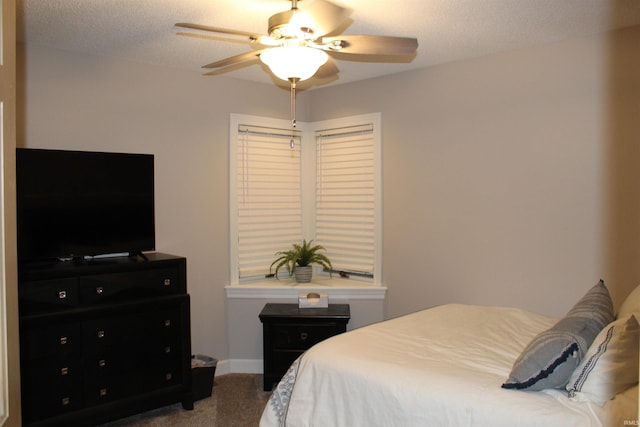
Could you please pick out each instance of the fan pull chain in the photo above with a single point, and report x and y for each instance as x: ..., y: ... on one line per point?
x: 293, y: 104
x: 293, y: 111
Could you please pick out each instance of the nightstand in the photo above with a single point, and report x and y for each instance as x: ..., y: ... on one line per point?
x: 288, y: 331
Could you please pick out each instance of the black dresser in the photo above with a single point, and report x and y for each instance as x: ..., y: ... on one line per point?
x: 288, y: 331
x: 103, y: 339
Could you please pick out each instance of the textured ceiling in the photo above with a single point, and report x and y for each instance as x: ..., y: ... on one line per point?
x: 447, y: 30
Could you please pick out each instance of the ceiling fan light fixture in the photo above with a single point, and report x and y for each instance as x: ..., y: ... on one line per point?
x: 294, y: 61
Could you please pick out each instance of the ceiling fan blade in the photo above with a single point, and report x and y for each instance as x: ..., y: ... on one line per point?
x: 251, y: 36
x: 321, y: 16
x: 232, y: 67
x: 265, y: 41
x: 372, y: 45
x: 234, y: 59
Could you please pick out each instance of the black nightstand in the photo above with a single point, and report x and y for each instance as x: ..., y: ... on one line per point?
x: 288, y: 331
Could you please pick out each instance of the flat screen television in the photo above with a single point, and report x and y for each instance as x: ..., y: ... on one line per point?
x: 79, y: 204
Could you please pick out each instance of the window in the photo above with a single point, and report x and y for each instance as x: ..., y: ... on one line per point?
x: 345, y: 197
x: 321, y: 182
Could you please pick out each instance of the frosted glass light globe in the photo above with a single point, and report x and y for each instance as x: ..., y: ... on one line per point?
x: 294, y: 62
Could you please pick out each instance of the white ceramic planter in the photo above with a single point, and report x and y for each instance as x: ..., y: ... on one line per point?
x: 303, y: 274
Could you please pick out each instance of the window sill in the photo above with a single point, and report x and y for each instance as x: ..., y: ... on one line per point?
x: 288, y: 288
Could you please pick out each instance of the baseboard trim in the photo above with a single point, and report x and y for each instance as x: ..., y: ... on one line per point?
x: 239, y: 366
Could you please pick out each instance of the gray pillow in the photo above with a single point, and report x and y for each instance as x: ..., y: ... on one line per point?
x: 551, y: 357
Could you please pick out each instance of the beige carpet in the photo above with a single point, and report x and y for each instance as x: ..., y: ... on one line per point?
x: 237, y: 400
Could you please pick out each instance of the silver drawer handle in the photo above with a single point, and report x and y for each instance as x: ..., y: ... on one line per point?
x: 102, y: 363
x: 167, y: 349
x: 103, y: 392
x: 100, y: 334
x: 167, y: 282
x: 64, y: 371
x: 62, y: 294
x: 168, y: 376
x: 304, y: 336
x: 65, y: 401
x: 64, y: 340
x: 99, y: 290
x: 167, y: 322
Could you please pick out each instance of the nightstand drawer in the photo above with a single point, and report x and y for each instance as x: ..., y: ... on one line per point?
x: 302, y: 336
x: 282, y: 359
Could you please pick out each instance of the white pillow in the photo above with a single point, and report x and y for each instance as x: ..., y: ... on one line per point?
x: 610, y: 366
x: 631, y: 303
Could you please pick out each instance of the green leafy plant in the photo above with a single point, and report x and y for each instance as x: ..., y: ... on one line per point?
x: 301, y: 256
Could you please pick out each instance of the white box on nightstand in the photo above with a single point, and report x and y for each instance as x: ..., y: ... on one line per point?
x: 313, y: 300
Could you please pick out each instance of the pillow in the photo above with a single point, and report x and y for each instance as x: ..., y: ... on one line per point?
x: 551, y: 357
x: 631, y: 303
x: 610, y: 365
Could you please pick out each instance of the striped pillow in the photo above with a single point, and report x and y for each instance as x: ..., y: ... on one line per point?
x: 551, y: 357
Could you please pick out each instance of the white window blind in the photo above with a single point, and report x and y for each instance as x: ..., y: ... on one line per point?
x: 346, y: 197
x: 269, y: 208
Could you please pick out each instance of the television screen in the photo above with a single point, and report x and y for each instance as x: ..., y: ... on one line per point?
x: 74, y: 204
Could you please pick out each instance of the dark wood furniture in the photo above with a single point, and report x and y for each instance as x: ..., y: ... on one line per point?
x: 288, y: 331
x: 103, y: 339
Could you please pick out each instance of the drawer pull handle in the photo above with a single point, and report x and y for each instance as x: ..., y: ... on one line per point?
x: 103, y: 392
x: 167, y: 282
x: 102, y: 363
x: 64, y: 340
x: 304, y: 336
x: 99, y: 290
x: 65, y: 401
x: 64, y: 371
x: 167, y: 322
x: 62, y: 294
x: 100, y: 334
x: 168, y: 376
x: 167, y: 349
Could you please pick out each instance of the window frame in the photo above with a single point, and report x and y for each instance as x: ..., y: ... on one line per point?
x: 308, y: 196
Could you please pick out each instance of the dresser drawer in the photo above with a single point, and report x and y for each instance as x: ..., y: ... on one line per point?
x: 50, y: 341
x: 118, y: 385
x: 302, y: 336
x: 132, y: 332
x: 48, y: 375
x: 110, y: 363
x: 40, y: 296
x: 114, y: 287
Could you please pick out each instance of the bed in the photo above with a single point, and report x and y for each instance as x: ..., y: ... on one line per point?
x: 466, y: 365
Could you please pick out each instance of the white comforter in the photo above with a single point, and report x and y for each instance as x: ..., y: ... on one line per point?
x: 438, y: 367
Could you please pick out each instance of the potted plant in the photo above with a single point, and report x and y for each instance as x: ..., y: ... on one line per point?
x: 299, y: 259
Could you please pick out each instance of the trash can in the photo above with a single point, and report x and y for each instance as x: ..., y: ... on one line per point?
x: 203, y: 369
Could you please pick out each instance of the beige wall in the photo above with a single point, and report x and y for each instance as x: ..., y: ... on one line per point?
x: 509, y: 179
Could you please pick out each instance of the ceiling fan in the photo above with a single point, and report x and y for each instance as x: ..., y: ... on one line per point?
x: 300, y: 44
